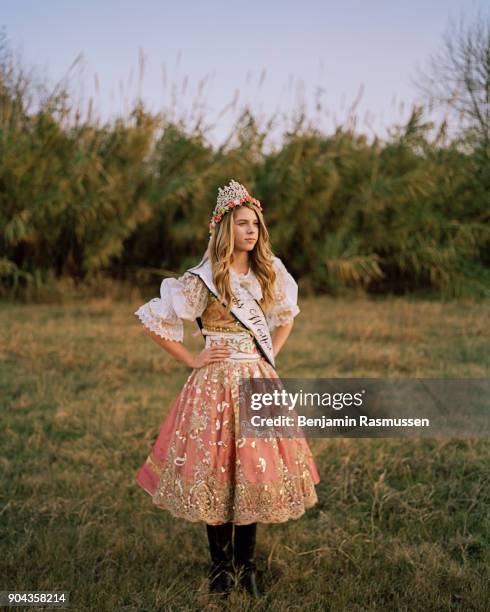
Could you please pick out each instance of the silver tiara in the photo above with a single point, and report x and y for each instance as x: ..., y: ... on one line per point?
x: 229, y: 197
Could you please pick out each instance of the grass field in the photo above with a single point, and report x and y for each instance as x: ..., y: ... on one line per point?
x: 401, y: 524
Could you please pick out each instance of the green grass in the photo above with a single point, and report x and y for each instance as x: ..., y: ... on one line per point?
x: 401, y: 524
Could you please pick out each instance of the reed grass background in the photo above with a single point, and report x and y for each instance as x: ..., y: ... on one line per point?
x: 86, y: 201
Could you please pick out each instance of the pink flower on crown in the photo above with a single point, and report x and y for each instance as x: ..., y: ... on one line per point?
x: 239, y: 195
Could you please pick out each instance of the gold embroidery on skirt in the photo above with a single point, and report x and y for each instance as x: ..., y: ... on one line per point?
x: 213, y: 501
x: 208, y: 494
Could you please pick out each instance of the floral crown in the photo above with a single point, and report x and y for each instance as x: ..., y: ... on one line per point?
x: 229, y: 197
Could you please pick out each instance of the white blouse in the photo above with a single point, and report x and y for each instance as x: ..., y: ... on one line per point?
x: 180, y: 298
x: 285, y: 305
x: 186, y: 298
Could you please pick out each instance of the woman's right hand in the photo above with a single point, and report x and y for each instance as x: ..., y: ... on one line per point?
x: 210, y: 355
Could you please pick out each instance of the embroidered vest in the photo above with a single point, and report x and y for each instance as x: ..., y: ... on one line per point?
x: 248, y: 313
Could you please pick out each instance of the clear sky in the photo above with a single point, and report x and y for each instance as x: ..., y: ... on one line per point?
x: 274, y: 55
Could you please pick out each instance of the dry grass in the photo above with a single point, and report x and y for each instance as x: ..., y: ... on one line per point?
x: 401, y: 524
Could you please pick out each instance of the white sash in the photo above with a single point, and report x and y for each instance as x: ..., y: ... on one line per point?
x: 249, y: 312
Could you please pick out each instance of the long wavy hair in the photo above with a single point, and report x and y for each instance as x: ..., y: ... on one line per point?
x: 220, y: 252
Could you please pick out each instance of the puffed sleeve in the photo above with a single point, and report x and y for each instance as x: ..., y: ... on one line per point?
x: 180, y: 298
x: 285, y: 306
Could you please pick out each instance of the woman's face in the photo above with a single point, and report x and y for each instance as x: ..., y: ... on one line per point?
x: 246, y: 228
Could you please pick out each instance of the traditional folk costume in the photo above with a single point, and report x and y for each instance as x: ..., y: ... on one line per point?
x: 199, y: 467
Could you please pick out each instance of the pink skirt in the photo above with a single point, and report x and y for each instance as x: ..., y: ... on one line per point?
x: 200, y: 469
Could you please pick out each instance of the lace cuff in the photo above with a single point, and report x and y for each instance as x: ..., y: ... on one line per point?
x: 285, y: 306
x: 180, y: 298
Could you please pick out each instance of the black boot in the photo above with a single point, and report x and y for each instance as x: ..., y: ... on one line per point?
x: 244, y: 552
x: 221, y: 550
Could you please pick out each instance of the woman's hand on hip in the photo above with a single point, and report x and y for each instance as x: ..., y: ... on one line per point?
x: 210, y: 355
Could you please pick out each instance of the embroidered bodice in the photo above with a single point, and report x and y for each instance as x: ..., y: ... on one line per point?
x: 187, y: 298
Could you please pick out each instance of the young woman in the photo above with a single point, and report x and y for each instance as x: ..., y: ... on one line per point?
x: 200, y: 468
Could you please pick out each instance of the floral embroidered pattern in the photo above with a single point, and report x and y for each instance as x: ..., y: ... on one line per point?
x: 236, y: 342
x: 201, y: 469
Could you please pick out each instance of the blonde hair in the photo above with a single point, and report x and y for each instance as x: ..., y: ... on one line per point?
x: 220, y: 251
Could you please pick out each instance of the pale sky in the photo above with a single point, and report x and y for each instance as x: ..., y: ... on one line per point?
x: 273, y: 55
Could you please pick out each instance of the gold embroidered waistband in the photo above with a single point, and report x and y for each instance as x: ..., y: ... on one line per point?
x: 241, y: 344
